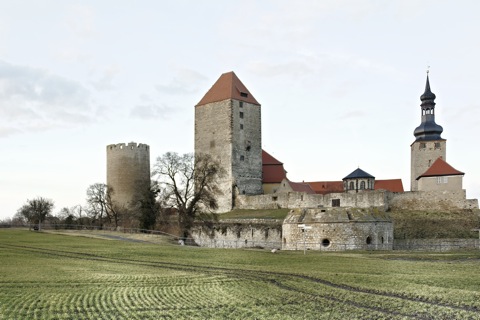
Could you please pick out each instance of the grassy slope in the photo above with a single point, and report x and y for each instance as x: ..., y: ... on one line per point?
x: 65, y: 277
x: 431, y: 225
x: 255, y: 214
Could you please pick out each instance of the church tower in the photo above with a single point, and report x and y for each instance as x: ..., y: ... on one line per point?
x: 228, y: 127
x: 428, y: 145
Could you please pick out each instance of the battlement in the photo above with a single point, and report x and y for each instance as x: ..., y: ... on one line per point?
x: 122, y: 147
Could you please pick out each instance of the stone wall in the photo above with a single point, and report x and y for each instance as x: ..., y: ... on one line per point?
x: 440, y: 183
x: 366, y: 199
x: 337, y: 230
x: 423, y: 154
x: 250, y: 233
x: 436, y: 244
x: 431, y: 201
x: 230, y: 131
x: 128, y: 171
x: 247, y: 147
x: 213, y: 135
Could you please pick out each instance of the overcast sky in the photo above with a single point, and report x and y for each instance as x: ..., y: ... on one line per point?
x: 339, y: 83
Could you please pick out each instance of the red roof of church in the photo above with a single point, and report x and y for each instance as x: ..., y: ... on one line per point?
x: 272, y: 169
x: 393, y: 185
x: 228, y: 86
x: 301, y: 187
x: 324, y: 187
x: 440, y: 168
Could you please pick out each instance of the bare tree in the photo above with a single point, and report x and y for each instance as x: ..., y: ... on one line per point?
x: 189, y: 184
x: 36, y: 210
x: 96, y: 200
x: 101, y: 206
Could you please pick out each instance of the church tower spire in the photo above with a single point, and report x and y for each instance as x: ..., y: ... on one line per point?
x: 428, y: 129
x: 428, y: 145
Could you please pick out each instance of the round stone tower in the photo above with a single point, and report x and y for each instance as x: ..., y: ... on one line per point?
x: 128, y: 171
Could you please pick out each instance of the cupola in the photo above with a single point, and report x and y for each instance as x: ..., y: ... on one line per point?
x: 428, y: 129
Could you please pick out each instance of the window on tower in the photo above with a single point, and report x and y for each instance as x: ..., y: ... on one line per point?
x: 241, y: 115
x: 437, y: 145
x: 242, y: 158
x: 241, y: 126
x: 423, y: 145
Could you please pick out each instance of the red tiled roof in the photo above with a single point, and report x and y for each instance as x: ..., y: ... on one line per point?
x: 393, y: 185
x: 273, y: 173
x: 325, y: 187
x: 268, y: 159
x: 228, y: 86
x: 301, y: 187
x: 272, y: 169
x: 440, y: 168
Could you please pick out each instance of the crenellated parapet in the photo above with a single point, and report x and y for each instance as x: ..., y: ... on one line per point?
x: 122, y: 147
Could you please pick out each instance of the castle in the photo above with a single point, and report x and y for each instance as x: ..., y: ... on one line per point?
x: 228, y: 126
x: 350, y: 211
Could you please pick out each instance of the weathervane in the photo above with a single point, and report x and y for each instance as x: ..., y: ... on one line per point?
x: 428, y: 70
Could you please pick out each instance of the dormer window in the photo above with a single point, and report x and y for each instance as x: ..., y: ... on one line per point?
x: 244, y: 94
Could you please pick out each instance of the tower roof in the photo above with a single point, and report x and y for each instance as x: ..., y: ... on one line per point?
x: 228, y: 86
x: 358, y: 174
x: 440, y: 168
x: 428, y: 129
x: 428, y: 95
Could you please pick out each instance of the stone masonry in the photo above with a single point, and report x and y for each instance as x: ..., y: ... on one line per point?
x: 128, y: 171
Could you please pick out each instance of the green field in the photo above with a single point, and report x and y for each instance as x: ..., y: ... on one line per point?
x: 52, y: 276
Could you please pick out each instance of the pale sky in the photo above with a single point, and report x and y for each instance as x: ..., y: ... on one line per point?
x: 339, y: 83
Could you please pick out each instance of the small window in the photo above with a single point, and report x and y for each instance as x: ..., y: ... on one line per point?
x: 369, y: 240
x: 241, y: 115
x: 275, y: 198
x: 241, y: 104
x: 437, y: 145
x: 352, y: 185
x: 442, y: 180
x: 242, y: 158
x: 241, y: 126
x: 335, y: 202
x: 362, y: 185
x: 423, y: 145
x: 244, y: 94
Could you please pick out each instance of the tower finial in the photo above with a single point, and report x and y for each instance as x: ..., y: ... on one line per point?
x: 428, y: 70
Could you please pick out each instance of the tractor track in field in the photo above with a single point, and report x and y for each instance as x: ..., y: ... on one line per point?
x: 264, y: 276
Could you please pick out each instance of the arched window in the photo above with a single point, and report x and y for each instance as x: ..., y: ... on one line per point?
x: 352, y: 185
x: 362, y: 185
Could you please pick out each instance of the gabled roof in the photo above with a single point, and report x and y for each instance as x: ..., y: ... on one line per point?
x: 300, y: 187
x: 359, y: 173
x: 228, y: 86
x: 325, y: 187
x: 393, y: 185
x: 269, y: 159
x: 272, y: 169
x: 440, y: 168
